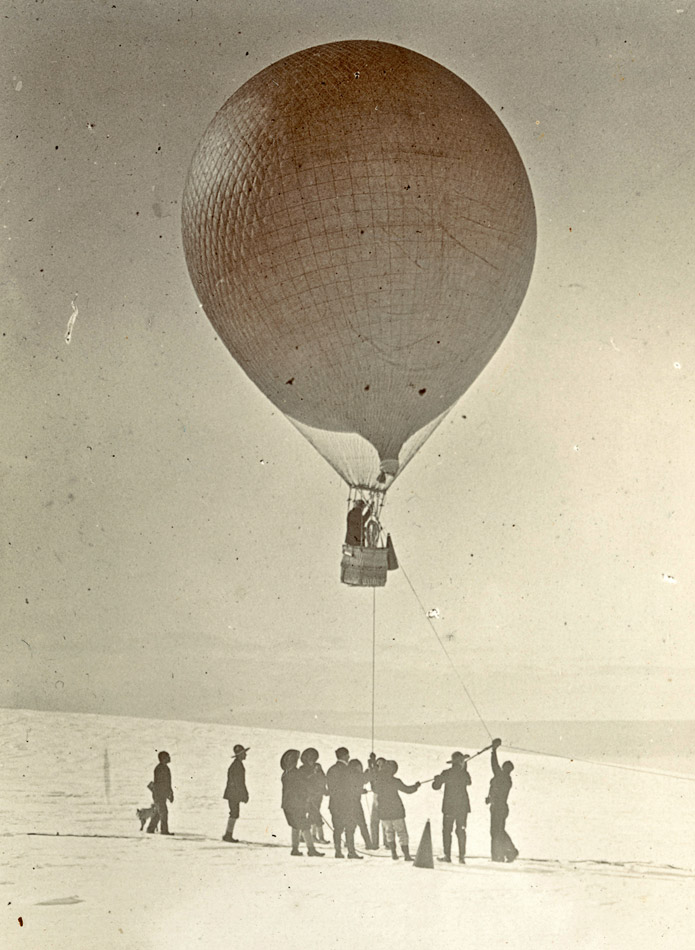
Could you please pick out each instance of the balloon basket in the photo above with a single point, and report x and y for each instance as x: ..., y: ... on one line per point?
x: 364, y: 567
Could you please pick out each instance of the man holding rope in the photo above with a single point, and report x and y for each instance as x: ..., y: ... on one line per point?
x: 455, y: 804
x: 391, y: 810
x: 502, y: 846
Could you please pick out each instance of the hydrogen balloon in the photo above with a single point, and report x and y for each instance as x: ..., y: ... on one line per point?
x: 360, y: 230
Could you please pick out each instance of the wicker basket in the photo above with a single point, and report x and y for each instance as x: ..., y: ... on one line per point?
x: 364, y: 567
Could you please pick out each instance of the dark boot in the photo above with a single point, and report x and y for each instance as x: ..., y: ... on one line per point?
x: 374, y: 829
x: 394, y: 853
x: 462, y: 846
x: 337, y: 841
x: 406, y: 852
x: 296, y: 837
x: 229, y: 833
x: 446, y: 842
x: 350, y: 839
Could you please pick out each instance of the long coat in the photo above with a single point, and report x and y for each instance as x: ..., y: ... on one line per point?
x: 387, y: 788
x: 358, y: 778
x: 161, y: 786
x: 455, y: 801
x: 235, y: 790
x: 338, y: 780
x: 295, y: 791
x: 315, y: 782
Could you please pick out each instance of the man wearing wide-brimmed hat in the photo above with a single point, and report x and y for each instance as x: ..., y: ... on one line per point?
x: 455, y: 803
x: 235, y: 791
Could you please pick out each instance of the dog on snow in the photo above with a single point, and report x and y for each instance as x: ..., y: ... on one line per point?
x: 147, y: 814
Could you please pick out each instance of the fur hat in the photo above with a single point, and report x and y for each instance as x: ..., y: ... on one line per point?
x: 289, y: 759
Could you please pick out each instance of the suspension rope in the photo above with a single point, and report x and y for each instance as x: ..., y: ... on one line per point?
x: 373, y: 660
x: 446, y: 652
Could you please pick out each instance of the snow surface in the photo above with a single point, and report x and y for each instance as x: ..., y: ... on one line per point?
x: 606, y: 854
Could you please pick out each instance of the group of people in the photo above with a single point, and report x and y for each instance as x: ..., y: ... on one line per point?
x: 303, y: 789
x: 305, y: 785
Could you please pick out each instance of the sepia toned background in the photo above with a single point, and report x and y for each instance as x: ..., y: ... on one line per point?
x: 170, y: 544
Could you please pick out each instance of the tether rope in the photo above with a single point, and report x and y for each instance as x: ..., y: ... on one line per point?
x: 373, y: 660
x: 555, y: 755
x: 446, y: 653
x: 606, y: 765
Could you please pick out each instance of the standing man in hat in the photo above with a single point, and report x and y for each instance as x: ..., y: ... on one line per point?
x: 339, y: 783
x: 162, y: 793
x: 235, y: 791
x: 455, y: 804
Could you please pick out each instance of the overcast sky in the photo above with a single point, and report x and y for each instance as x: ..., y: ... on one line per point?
x: 171, y: 545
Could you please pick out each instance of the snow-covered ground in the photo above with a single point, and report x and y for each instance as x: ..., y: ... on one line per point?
x: 606, y: 854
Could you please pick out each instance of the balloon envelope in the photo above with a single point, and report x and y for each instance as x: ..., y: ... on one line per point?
x: 360, y: 230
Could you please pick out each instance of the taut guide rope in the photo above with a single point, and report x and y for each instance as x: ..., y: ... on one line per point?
x: 556, y: 755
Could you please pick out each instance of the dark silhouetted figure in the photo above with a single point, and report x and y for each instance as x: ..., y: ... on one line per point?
x: 455, y: 804
x: 235, y: 791
x: 339, y: 784
x: 358, y: 779
x: 316, y: 789
x: 373, y: 766
x: 295, y: 803
x: 356, y: 520
x: 162, y: 794
x: 502, y: 846
x: 391, y: 810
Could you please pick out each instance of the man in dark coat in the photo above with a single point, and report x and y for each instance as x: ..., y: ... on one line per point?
x: 358, y: 779
x: 316, y: 789
x: 373, y: 766
x: 235, y: 791
x: 455, y: 804
x: 356, y: 520
x: 162, y: 793
x: 339, y: 785
x: 502, y: 846
x: 295, y: 805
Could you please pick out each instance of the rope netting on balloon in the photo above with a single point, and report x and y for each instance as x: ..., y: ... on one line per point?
x: 356, y: 460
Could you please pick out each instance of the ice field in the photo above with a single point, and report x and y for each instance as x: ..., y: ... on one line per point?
x: 605, y: 854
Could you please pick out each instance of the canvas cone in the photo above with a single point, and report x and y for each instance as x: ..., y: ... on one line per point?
x: 423, y: 858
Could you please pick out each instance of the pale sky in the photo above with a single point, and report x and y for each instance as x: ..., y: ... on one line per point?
x: 171, y: 545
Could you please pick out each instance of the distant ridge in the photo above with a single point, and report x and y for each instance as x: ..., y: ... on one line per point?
x: 628, y: 740
x: 611, y: 739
